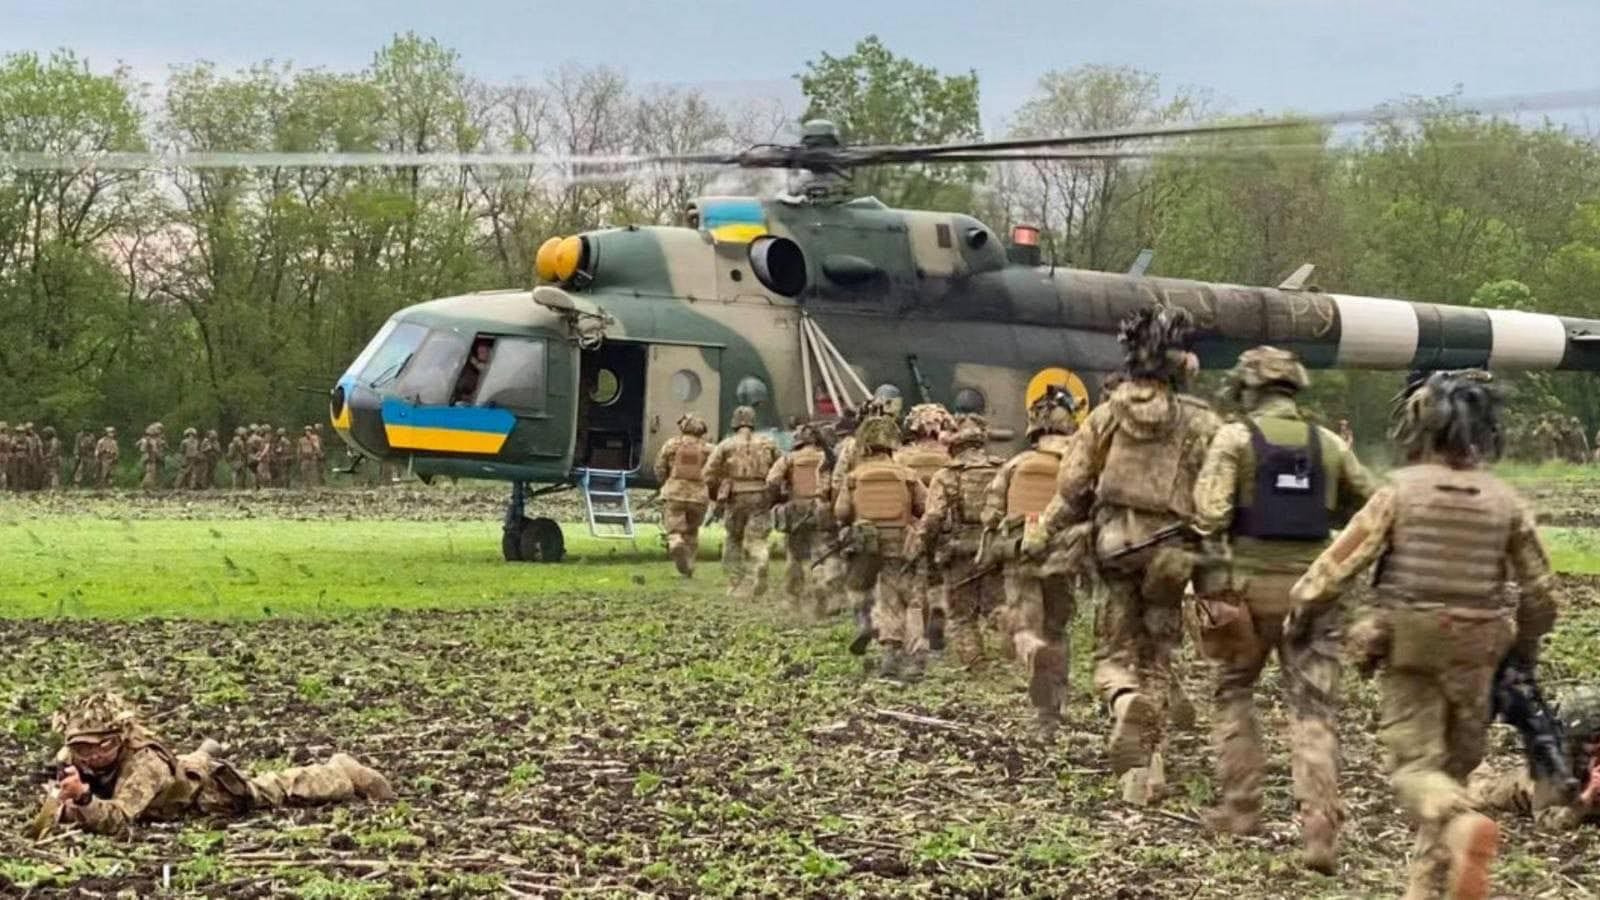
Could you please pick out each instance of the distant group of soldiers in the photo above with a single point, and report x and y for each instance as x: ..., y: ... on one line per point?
x: 1178, y: 522
x: 1553, y: 436
x: 257, y: 456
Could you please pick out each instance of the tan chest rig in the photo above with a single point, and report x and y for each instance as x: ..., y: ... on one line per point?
x: 1448, y: 543
x: 973, y: 480
x: 880, y: 494
x: 1153, y: 473
x: 689, y: 460
x: 1033, y: 483
x: 805, y: 473
x: 925, y: 459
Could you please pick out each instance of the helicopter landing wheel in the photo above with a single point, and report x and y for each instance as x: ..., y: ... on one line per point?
x: 533, y: 540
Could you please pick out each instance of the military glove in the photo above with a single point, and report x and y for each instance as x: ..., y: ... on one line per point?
x: 1035, y: 539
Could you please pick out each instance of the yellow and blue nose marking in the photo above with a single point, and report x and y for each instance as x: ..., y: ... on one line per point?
x: 446, y: 429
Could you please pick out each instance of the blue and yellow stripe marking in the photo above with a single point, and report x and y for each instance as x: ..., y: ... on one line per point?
x: 446, y: 429
x: 736, y: 220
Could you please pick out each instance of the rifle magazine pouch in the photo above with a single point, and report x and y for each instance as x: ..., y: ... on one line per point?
x: 1224, y: 629
x: 1439, y: 638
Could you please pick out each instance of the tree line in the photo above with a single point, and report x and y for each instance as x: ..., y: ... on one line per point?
x: 225, y: 294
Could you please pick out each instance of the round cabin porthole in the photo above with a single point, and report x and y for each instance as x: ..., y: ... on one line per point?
x: 607, y: 388
x: 970, y: 401
x: 685, y: 385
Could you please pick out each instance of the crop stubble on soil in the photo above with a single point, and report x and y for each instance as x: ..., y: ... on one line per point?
x: 617, y: 737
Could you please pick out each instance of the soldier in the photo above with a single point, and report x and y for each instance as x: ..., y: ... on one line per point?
x: 736, y: 474
x: 1039, y: 592
x: 152, y: 455
x: 116, y: 772
x: 82, y: 456
x: 282, y: 458
x: 680, y: 467
x: 880, y: 500
x: 322, y: 453
x: 951, y: 533
x: 52, y: 459
x: 1130, y: 470
x: 253, y: 447
x: 924, y: 452
x: 1346, y: 434
x: 210, y: 453
x: 189, y: 452
x: 310, y: 469
x: 797, y: 481
x: 106, y: 456
x: 6, y: 481
x: 1274, y: 483
x: 1579, y: 442
x: 31, y: 465
x: 1514, y: 791
x: 238, y: 459
x: 1450, y: 535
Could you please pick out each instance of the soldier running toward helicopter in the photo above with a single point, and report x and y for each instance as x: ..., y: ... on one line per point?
x: 736, y: 476
x: 680, y: 467
x: 951, y: 533
x: 797, y: 482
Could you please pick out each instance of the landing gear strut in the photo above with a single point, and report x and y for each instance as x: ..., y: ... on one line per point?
x: 529, y: 540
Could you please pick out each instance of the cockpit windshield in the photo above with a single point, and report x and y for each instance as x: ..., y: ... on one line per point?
x: 388, y: 352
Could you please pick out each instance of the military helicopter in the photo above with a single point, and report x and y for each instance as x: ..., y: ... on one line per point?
x: 806, y: 304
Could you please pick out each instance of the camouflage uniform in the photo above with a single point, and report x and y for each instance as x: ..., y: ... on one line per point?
x: 798, y: 479
x: 152, y: 455
x: 680, y: 467
x: 1513, y: 790
x: 310, y: 466
x: 189, y: 451
x: 926, y: 427
x: 1040, y: 602
x: 1130, y: 470
x: 282, y: 459
x: 238, y: 459
x: 31, y: 472
x: 210, y: 454
x: 82, y: 457
x: 951, y: 533
x: 258, y: 457
x: 736, y: 474
x: 1278, y: 524
x: 106, y: 456
x: 6, y: 480
x: 52, y: 459
x: 1450, y: 535
x: 880, y: 500
x: 148, y: 782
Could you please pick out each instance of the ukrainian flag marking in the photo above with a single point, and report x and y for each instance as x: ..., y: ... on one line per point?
x: 446, y: 429
x: 737, y: 220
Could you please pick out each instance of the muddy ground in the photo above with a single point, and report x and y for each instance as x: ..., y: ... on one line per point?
x: 677, y: 744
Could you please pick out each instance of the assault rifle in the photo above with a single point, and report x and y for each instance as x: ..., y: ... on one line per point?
x: 1518, y: 702
x: 1159, y: 536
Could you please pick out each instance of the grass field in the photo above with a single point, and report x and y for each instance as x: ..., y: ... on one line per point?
x: 602, y: 728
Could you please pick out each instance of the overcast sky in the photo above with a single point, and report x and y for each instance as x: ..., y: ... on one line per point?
x: 1311, y: 55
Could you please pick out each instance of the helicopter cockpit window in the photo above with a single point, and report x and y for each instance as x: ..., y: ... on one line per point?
x: 390, y: 350
x: 430, y: 377
x: 515, y: 379
x: 472, y: 373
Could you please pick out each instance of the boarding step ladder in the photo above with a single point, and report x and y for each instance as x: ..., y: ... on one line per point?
x: 605, y: 502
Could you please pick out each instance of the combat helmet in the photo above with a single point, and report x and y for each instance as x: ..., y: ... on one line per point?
x: 1579, y: 711
x: 743, y: 417
x: 95, y: 716
x: 1453, y: 415
x: 971, y: 430
x: 240, y: 431
x: 1053, y: 413
x: 1263, y: 367
x: 48, y: 431
x: 190, y: 432
x: 283, y: 432
x: 1155, y: 344
x: 886, y: 401
x: 111, y: 431
x: 929, y: 420
x: 877, y: 433
x: 691, y: 424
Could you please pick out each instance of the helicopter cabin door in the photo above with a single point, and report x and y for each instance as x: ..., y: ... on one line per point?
x: 682, y: 378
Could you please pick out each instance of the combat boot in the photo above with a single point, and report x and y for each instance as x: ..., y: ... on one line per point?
x: 369, y: 785
x: 889, y: 664
x: 1226, y: 818
x: 1132, y: 733
x: 1473, y: 840
x: 1144, y: 785
x: 914, y: 666
x: 936, y: 629
x: 682, y: 559
x: 1047, y: 680
x: 1180, y: 709
x: 212, y: 748
x: 865, y: 633
x: 1320, y: 834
